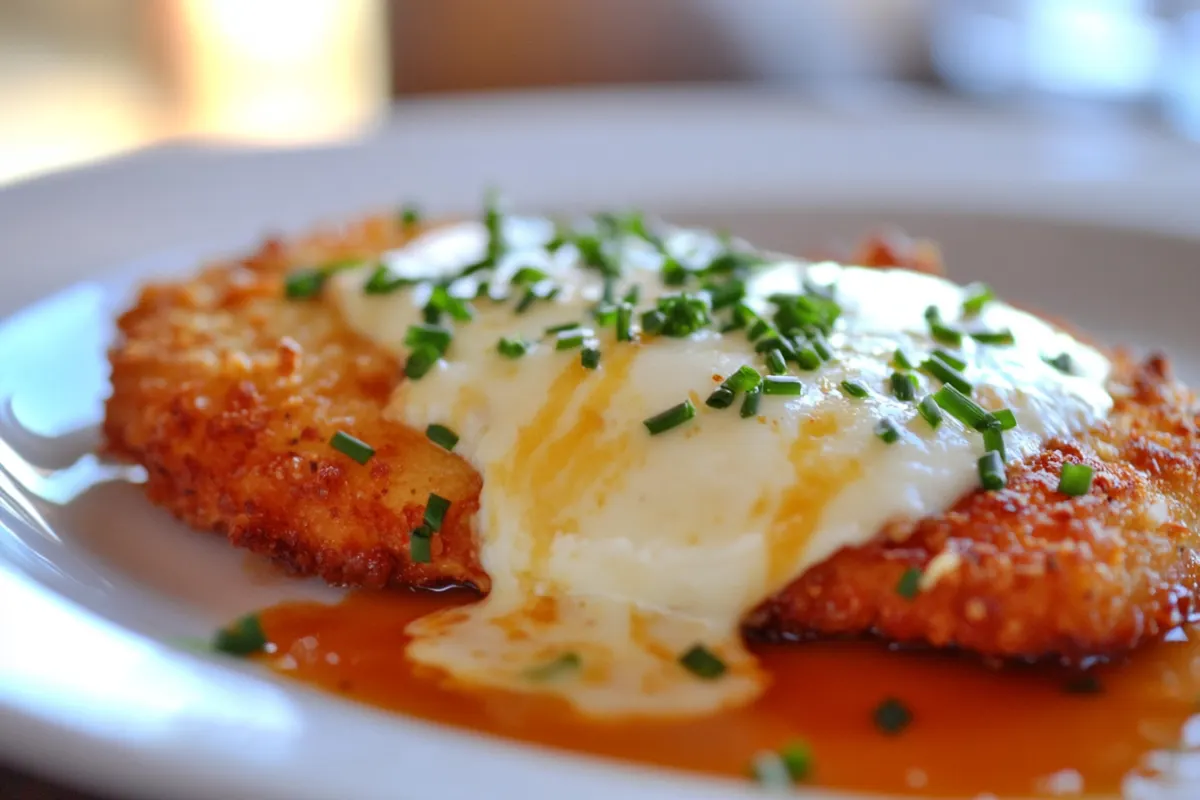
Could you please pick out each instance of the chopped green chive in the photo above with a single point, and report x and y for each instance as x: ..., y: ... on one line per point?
x: 807, y: 359
x: 383, y: 282
x: 354, y: 448
x: 1075, y: 480
x: 900, y: 360
x: 888, y: 431
x: 590, y: 358
x: 410, y: 215
x: 722, y: 397
x: 562, y: 326
x: 442, y: 302
x: 528, y: 276
x: 744, y: 379
x: 632, y: 295
x: 892, y: 716
x: 945, y: 334
x: 555, y: 668
x: 243, y: 637
x: 1001, y: 337
x: 419, y: 547
x: 993, y: 441
x: 420, y: 361
x: 759, y: 329
x: 951, y: 359
x: 625, y: 323
x: 991, y: 472
x: 304, y: 283
x: 671, y: 418
x: 946, y: 374
x: 962, y: 408
x: 1062, y: 362
x: 904, y: 386
x: 798, y: 758
x: 435, y: 511
x: 821, y: 345
x: 1006, y: 418
x: 604, y: 314
x: 702, y: 663
x: 776, y: 363
x: 1083, y: 684
x: 653, y: 321
x: 570, y: 339
x: 751, y: 401
x: 779, y: 770
x: 512, y: 347
x: 909, y: 585
x: 978, y: 296
x: 442, y: 436
x: 930, y: 411
x: 855, y: 388
x: 528, y: 299
x: 784, y: 385
x: 424, y: 334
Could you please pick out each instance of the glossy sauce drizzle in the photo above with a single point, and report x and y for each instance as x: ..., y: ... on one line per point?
x: 1015, y: 731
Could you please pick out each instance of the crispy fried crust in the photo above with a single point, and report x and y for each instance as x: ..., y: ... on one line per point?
x: 229, y: 394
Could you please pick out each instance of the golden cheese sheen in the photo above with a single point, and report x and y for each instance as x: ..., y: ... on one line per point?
x: 611, y: 551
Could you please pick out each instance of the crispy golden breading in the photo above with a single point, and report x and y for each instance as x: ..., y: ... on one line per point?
x: 229, y: 394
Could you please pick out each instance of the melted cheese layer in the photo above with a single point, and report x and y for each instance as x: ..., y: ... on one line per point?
x: 626, y: 549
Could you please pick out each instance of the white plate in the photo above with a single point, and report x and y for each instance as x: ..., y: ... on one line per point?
x: 94, y: 587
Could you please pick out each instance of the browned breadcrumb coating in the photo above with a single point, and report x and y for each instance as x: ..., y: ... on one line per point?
x: 228, y: 394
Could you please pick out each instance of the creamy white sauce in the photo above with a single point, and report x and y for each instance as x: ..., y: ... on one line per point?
x: 626, y: 548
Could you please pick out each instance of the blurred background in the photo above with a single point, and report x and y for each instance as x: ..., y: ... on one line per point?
x: 84, y: 79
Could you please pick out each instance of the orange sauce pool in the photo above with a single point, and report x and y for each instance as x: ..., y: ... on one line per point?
x: 975, y: 729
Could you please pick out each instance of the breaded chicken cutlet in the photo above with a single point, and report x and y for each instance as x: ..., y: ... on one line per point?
x: 228, y: 393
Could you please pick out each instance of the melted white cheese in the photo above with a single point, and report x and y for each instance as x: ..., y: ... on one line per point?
x: 626, y: 548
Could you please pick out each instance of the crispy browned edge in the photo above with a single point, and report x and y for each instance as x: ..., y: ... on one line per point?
x: 228, y: 394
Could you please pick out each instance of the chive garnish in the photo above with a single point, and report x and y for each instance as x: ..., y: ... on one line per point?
x: 243, y: 637
x: 304, y: 283
x: 604, y: 314
x: 1006, y: 418
x: 962, y: 408
x: 751, y: 401
x: 383, y: 282
x: 806, y: 358
x: 784, y: 385
x: 562, y: 326
x: 945, y: 334
x: 671, y: 418
x: 930, y: 411
x: 904, y: 386
x: 776, y: 363
x: 1062, y: 362
x: 951, y: 359
x: 855, y: 388
x: 722, y: 397
x: 1000, y: 337
x: 419, y: 547
x: 909, y: 585
x: 900, y: 360
x: 759, y: 329
x: 632, y: 295
x: 701, y: 662
x: 527, y: 300
x: 991, y: 471
x: 590, y: 358
x: 978, y: 295
x: 625, y: 322
x: 354, y: 448
x: 653, y: 321
x: 744, y: 379
x: 410, y: 215
x: 435, y: 511
x: 932, y: 314
x: 570, y: 339
x: 555, y: 668
x: 420, y: 361
x: 993, y: 441
x: 512, y: 347
x: 946, y: 374
x: 442, y: 436
x: 779, y: 770
x: 528, y: 276
x: 1075, y: 479
x: 888, y: 431
x: 426, y: 335
x: 821, y: 345
x: 892, y: 716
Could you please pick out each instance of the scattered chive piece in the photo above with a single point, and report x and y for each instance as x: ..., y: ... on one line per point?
x: 781, y: 769
x: 1006, y: 418
x: 1001, y: 337
x: 744, y: 379
x: 818, y: 343
x: 758, y: 329
x: 420, y: 361
x: 722, y: 397
x: 424, y: 334
x: 887, y: 430
x: 356, y: 449
x: 570, y: 339
x: 609, y: 294
x: 945, y: 334
x: 435, y: 511
x: 701, y: 662
x: 932, y: 313
x: 422, y: 530
x: 562, y: 326
x: 909, y: 585
x: 590, y: 358
x: 750, y: 402
x: 798, y: 758
x: 527, y: 276
x: 526, y: 301
x: 383, y: 282
x: 512, y: 347
x: 904, y: 386
x: 991, y: 472
x: 930, y: 411
x: 1083, y: 684
x: 243, y: 637
x: 410, y: 215
x: 671, y: 418
x: 1075, y: 480
x: 892, y: 716
x: 962, y: 408
x: 1062, y: 362
x: 946, y: 374
x: 604, y: 314
x: 993, y: 441
x: 900, y: 360
x: 952, y: 359
x: 555, y: 668
x: 442, y: 436
x: 625, y: 322
x: 978, y: 295
x: 785, y: 385
x: 304, y: 283
x: 632, y: 295
x: 855, y: 388
x: 419, y: 549
x: 653, y: 321
x: 776, y: 362
x: 807, y: 359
